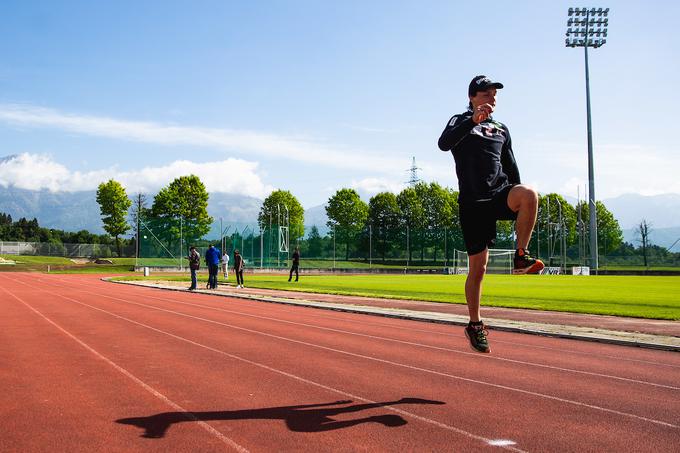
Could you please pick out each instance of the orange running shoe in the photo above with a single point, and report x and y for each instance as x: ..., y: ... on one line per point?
x: 525, y: 264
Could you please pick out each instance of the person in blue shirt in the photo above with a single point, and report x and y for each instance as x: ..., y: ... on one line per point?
x: 212, y: 259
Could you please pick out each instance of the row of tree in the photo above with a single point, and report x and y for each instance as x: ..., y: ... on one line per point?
x: 423, y: 214
x: 24, y: 230
x: 426, y: 215
x: 178, y: 210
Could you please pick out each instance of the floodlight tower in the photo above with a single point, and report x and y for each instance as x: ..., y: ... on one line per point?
x: 588, y: 28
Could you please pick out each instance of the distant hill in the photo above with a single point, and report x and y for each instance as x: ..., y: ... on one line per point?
x: 69, y: 211
x: 664, y: 237
x: 74, y: 211
x: 663, y: 211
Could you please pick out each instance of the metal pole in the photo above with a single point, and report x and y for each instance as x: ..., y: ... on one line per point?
x: 139, y: 202
x: 549, y: 234
x: 370, y: 246
x: 445, y: 257
x: 591, y: 172
x: 538, y: 233
x: 287, y: 234
x: 181, y: 233
x: 334, y: 247
x: 262, y: 247
x: 408, y: 246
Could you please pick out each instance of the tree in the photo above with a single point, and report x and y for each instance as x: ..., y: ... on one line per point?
x: 643, y: 231
x: 136, y: 216
x: 314, y: 243
x: 412, y: 217
x: 347, y: 215
x: 383, y: 217
x: 438, y: 207
x: 113, y: 205
x: 275, y: 206
x: 609, y: 234
x: 181, y: 210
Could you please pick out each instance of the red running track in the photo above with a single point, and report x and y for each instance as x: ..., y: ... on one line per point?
x: 92, y: 366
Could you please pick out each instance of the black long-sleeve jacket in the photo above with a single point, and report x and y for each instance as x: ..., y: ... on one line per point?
x: 483, y: 154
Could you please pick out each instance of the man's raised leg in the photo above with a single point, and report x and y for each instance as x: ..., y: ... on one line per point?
x: 524, y: 201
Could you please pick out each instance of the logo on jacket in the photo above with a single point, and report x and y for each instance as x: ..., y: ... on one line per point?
x: 489, y: 129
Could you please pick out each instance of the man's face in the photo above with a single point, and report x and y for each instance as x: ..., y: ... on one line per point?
x: 487, y: 96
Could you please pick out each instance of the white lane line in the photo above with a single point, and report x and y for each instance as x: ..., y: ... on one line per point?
x: 566, y: 351
x: 375, y: 337
x: 513, y: 343
x: 189, y: 415
x: 292, y: 376
x: 410, y: 343
x: 376, y: 359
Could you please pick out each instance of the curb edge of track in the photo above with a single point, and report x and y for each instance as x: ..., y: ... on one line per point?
x: 526, y: 328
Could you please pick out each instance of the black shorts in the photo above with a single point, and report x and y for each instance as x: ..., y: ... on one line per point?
x: 478, y: 220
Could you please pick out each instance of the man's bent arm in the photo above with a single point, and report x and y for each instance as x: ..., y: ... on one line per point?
x: 457, y: 128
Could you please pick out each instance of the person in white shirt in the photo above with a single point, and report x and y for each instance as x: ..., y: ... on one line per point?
x: 225, y: 265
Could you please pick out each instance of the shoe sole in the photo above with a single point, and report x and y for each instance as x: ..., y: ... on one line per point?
x: 533, y: 269
x: 473, y: 348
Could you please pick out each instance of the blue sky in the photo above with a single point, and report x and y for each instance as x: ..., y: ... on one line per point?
x: 313, y: 96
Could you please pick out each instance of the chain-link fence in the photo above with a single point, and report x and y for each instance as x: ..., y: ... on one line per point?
x: 65, y: 250
x: 272, y: 246
x: 166, y: 244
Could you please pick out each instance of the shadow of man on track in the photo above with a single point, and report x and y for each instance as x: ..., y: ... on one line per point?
x: 302, y: 418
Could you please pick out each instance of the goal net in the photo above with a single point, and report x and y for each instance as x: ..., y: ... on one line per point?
x: 500, y: 261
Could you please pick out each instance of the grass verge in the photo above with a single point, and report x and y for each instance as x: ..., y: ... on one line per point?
x: 631, y: 296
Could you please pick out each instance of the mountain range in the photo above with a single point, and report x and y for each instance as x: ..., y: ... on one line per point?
x: 74, y: 211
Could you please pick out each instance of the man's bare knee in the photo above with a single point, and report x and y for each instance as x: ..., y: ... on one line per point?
x: 522, y: 197
x: 477, y: 271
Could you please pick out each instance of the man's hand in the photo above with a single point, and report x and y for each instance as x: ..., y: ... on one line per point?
x: 481, y: 113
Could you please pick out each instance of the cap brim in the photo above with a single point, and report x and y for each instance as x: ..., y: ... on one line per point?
x: 495, y: 85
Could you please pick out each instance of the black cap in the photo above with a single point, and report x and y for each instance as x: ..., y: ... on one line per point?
x: 481, y: 83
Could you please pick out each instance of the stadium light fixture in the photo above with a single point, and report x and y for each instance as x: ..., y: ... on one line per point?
x: 588, y: 32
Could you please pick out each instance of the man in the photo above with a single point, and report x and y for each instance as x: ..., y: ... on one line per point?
x: 489, y: 190
x: 296, y: 265
x: 194, y: 265
x: 238, y: 269
x: 212, y: 259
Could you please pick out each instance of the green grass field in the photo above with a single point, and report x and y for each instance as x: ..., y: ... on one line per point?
x: 633, y: 296
x: 65, y: 265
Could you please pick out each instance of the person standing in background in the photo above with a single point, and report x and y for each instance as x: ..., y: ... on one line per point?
x: 212, y: 259
x: 296, y: 265
x: 238, y: 268
x: 194, y: 265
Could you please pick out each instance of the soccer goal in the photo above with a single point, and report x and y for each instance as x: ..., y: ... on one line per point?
x: 500, y: 261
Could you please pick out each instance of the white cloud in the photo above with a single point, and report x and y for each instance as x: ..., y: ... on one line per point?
x: 39, y: 171
x: 619, y: 168
x: 372, y: 186
x: 302, y: 149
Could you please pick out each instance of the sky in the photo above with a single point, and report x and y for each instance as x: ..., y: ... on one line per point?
x: 314, y: 96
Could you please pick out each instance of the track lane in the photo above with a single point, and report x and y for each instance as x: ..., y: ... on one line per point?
x: 533, y: 383
x: 328, y: 363
x: 60, y: 394
x: 594, y: 364
x: 438, y: 433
